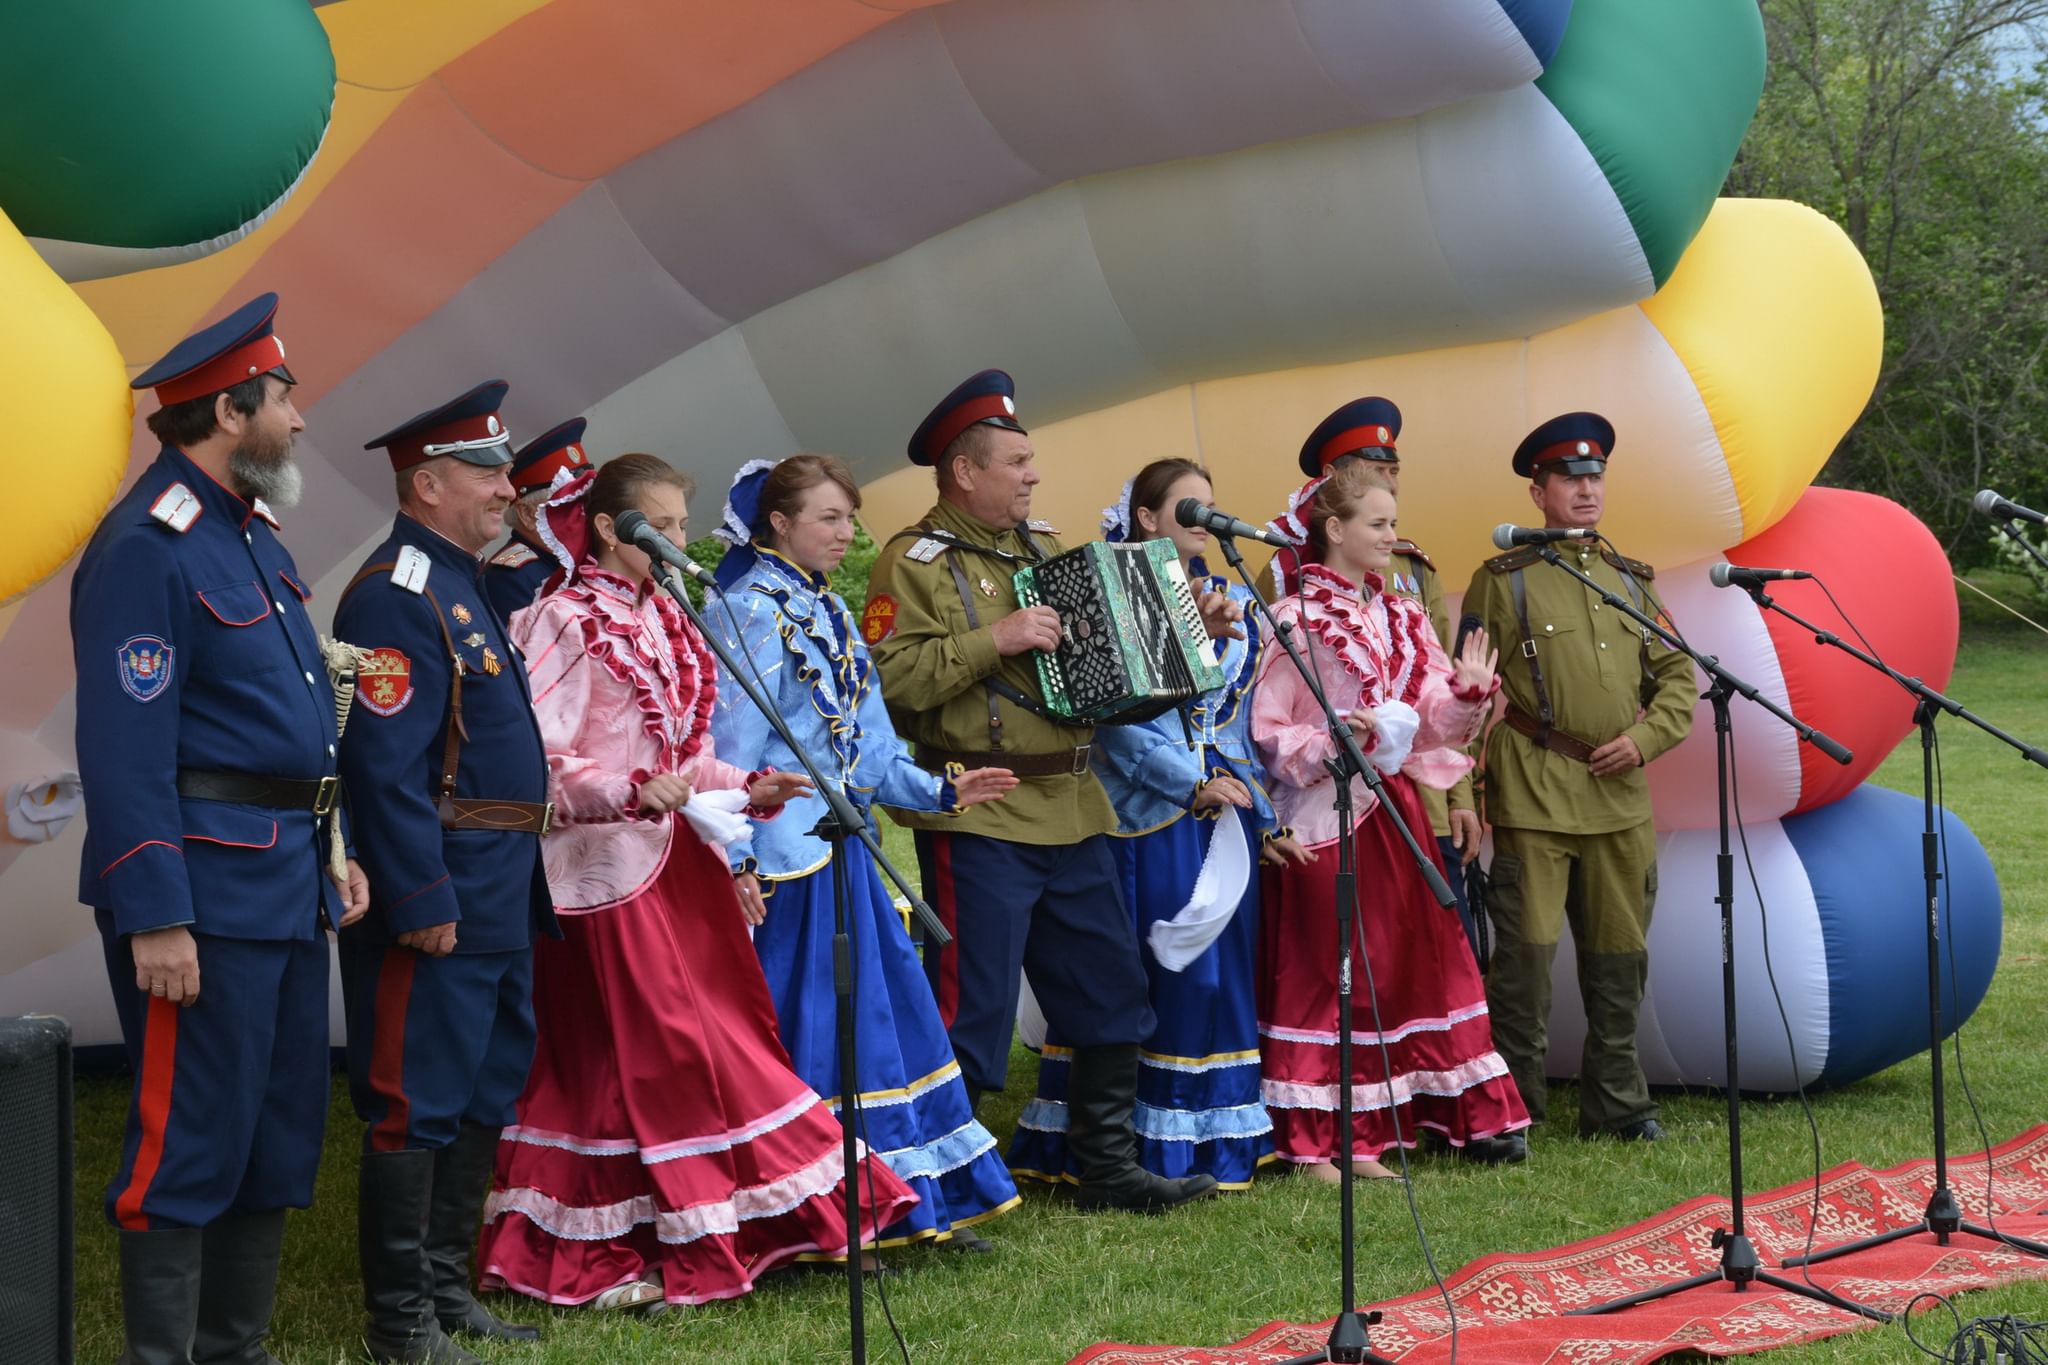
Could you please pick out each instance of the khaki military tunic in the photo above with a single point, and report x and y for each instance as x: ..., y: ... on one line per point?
x: 933, y: 659
x: 1592, y: 658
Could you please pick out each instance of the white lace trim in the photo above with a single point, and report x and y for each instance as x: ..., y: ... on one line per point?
x: 1116, y: 519
x: 1456, y: 1081
x: 1328, y: 1038
x: 730, y: 528
x: 664, y: 1151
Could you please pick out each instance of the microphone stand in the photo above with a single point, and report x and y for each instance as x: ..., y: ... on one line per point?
x: 842, y: 820
x: 2005, y: 529
x: 1739, y: 1264
x: 1349, y: 1339
x: 1944, y: 1215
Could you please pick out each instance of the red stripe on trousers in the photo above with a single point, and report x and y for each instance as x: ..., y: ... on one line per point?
x: 387, y: 1054
x: 949, y: 956
x: 153, y: 1109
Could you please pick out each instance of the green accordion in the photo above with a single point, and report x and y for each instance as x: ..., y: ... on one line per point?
x: 1132, y: 643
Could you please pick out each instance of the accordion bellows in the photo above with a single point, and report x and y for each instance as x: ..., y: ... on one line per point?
x: 1132, y: 643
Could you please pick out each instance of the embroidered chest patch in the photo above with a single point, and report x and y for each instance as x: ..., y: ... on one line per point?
x: 878, y: 620
x: 144, y: 664
x: 384, y: 682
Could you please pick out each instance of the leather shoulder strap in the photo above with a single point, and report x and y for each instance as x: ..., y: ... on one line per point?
x: 451, y: 752
x: 1545, y: 715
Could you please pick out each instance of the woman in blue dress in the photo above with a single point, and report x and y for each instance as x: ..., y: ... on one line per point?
x: 1193, y: 825
x: 788, y: 525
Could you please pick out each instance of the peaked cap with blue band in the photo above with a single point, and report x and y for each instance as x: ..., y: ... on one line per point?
x: 990, y: 397
x: 1578, y: 442
x: 535, y: 465
x: 468, y: 428
x: 1365, y: 427
x: 240, y: 346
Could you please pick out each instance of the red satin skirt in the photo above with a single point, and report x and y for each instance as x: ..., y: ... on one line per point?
x: 662, y: 1129
x: 1444, y: 1074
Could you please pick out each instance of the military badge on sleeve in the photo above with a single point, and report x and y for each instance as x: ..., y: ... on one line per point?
x: 384, y: 682
x: 878, y: 620
x: 144, y: 663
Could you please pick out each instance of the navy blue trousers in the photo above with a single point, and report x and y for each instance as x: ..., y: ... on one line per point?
x: 230, y: 1098
x: 1056, y: 912
x: 434, y: 1042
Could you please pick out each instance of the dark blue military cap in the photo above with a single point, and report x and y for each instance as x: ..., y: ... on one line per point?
x: 1578, y: 443
x: 240, y: 346
x: 554, y: 450
x: 1365, y: 427
x: 990, y: 397
x: 467, y: 428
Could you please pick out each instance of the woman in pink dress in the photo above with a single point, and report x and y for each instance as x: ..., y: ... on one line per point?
x: 664, y: 1148
x: 1378, y: 658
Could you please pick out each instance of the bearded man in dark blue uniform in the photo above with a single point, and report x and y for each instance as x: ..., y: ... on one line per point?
x: 206, y: 740
x: 448, y: 812
x: 518, y: 571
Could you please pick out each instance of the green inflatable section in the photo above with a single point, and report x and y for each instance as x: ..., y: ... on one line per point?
x: 153, y: 123
x: 1661, y: 92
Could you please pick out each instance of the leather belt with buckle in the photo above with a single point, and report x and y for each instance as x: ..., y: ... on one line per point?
x: 315, y: 794
x: 507, y: 817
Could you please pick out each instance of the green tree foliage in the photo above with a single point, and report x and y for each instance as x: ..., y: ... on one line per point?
x: 1920, y: 127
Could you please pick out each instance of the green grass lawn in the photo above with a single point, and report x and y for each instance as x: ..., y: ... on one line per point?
x: 1212, y: 1273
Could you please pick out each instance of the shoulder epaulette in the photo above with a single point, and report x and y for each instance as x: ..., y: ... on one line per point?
x: 1634, y: 567
x: 517, y: 555
x: 410, y: 572
x: 1042, y: 527
x: 1414, y: 551
x: 177, y: 507
x: 258, y: 507
x: 1514, y: 559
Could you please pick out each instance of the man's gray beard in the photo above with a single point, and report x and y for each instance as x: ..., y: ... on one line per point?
x: 279, y: 485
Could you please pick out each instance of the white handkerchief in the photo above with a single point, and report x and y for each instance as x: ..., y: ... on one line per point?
x: 1395, y: 722
x: 38, y: 811
x: 716, y: 815
x: 1226, y: 871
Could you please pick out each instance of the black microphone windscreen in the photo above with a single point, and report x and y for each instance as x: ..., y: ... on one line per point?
x: 1188, y: 512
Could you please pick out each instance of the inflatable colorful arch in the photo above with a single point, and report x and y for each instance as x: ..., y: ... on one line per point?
x: 1187, y: 227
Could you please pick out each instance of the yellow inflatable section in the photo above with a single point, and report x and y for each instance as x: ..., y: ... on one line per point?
x: 1728, y: 390
x: 65, y: 390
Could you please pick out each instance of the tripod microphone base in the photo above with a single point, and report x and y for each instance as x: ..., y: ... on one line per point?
x: 1739, y: 1267
x: 1348, y: 1343
x: 1943, y: 1219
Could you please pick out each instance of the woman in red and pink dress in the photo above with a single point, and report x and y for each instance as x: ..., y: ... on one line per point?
x: 664, y: 1149
x: 1410, y: 707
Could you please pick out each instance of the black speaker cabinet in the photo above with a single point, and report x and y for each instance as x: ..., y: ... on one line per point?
x: 35, y: 1190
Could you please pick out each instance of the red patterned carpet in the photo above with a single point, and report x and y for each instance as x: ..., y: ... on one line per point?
x: 1510, y: 1307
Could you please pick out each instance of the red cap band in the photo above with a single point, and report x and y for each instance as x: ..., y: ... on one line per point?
x: 965, y: 416
x: 260, y: 356
x: 541, y: 473
x: 1567, y: 450
x: 479, y: 431
x: 1356, y: 438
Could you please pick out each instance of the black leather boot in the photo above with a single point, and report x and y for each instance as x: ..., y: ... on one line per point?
x: 237, y: 1288
x: 462, y: 1180
x: 396, y: 1193
x: 1102, y: 1098
x: 160, y: 1295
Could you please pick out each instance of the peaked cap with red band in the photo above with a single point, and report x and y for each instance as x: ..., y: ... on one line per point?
x: 468, y: 428
x: 547, y: 454
x: 1578, y: 442
x: 990, y: 397
x: 1365, y: 427
x: 240, y: 346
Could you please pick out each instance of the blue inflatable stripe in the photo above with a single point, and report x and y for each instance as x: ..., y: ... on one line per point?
x: 1541, y: 23
x: 1862, y: 858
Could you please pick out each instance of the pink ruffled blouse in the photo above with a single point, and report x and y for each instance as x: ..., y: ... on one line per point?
x: 624, y: 689
x: 1369, y: 649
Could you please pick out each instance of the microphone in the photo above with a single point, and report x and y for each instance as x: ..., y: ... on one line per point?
x: 1507, y: 535
x: 1735, y: 576
x: 1194, y: 512
x: 632, y: 525
x: 1990, y: 504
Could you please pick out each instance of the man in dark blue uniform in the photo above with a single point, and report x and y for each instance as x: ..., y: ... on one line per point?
x: 206, y: 739
x: 450, y: 781
x: 516, y: 573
